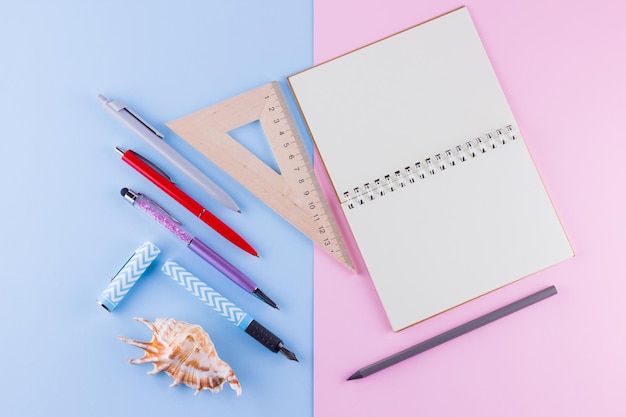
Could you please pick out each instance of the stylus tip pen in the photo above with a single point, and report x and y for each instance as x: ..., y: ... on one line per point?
x: 174, y: 226
x: 162, y: 180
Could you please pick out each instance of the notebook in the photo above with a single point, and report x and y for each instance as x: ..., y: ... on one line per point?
x: 430, y: 168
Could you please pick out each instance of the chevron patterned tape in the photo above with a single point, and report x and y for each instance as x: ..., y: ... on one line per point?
x: 205, y: 293
x: 128, y: 275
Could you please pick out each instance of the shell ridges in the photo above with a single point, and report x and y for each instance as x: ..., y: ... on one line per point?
x: 186, y: 353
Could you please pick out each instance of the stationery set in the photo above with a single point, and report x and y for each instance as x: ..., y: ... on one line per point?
x: 142, y: 258
x: 428, y: 166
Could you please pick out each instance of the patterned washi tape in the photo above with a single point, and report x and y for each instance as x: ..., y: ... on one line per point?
x: 128, y: 275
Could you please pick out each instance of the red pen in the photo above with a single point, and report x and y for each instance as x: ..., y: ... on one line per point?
x: 161, y: 180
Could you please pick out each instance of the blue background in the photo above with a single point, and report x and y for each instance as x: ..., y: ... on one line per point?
x: 66, y: 229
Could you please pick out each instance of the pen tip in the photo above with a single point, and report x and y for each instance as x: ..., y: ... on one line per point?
x: 238, y: 211
x: 356, y: 375
x: 123, y: 191
x: 289, y: 354
x: 264, y: 297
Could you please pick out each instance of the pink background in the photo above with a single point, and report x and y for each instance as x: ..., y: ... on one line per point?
x: 562, y: 66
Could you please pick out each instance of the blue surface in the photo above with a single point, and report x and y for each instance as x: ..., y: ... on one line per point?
x: 67, y: 231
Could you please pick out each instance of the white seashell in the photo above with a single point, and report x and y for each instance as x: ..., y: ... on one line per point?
x: 186, y: 353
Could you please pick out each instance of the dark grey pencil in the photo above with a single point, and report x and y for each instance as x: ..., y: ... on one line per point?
x: 455, y: 332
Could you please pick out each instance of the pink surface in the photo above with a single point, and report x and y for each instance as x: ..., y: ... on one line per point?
x: 562, y: 66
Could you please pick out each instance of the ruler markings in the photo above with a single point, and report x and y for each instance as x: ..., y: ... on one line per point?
x: 295, y: 193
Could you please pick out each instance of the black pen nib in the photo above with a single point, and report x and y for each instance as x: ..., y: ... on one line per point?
x: 265, y: 298
x: 289, y: 354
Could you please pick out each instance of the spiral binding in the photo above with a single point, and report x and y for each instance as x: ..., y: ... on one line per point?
x: 429, y: 167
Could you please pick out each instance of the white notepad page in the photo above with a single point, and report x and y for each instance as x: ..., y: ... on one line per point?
x: 450, y: 237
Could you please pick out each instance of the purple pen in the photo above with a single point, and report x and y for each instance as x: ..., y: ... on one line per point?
x: 158, y: 214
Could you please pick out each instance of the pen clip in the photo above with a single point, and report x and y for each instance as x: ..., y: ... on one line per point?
x: 116, y: 106
x: 149, y: 163
x: 155, y: 167
x: 160, y: 208
x: 143, y: 122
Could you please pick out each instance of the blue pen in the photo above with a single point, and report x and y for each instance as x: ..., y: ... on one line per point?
x: 226, y: 308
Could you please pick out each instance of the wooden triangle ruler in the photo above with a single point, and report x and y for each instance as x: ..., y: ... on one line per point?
x: 295, y: 193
